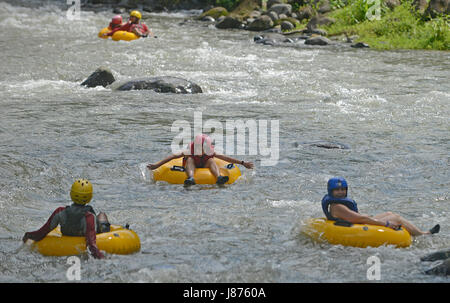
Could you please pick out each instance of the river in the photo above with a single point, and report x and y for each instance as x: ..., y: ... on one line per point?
x: 390, y: 109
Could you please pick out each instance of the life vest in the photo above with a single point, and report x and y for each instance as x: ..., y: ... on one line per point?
x: 73, y: 220
x: 327, y: 200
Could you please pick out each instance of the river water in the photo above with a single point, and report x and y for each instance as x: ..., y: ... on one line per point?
x: 390, y: 110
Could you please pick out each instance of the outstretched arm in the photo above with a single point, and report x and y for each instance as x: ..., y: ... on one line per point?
x: 232, y: 160
x: 164, y: 161
x: 40, y: 234
x: 342, y: 212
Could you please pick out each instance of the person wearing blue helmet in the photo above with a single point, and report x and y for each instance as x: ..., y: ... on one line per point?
x: 337, y: 206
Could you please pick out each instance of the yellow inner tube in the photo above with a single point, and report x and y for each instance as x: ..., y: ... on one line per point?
x: 357, y: 235
x: 104, y: 31
x: 173, y: 172
x: 124, y: 35
x: 119, y: 240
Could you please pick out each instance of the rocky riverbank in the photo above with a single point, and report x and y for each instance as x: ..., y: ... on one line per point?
x: 393, y: 24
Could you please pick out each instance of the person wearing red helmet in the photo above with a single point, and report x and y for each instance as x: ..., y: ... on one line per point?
x: 116, y: 22
x: 200, y: 154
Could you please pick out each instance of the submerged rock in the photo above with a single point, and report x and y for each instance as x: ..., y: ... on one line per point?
x: 360, y: 45
x: 439, y: 255
x: 442, y: 269
x: 101, y: 77
x: 271, y: 39
x: 165, y: 84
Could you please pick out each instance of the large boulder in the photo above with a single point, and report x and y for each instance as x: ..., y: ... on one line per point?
x: 287, y: 26
x: 101, y: 77
x: 273, y: 15
x: 438, y: 7
x: 305, y: 12
x: 281, y: 9
x: 164, y: 84
x: 262, y: 23
x: 215, y: 12
x: 229, y: 22
x: 317, y: 40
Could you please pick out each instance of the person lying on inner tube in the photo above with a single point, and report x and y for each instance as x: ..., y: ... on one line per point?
x: 76, y: 220
x: 134, y: 26
x: 200, y: 154
x: 337, y: 206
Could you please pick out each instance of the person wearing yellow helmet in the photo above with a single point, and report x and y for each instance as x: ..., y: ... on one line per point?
x: 134, y: 25
x: 78, y: 219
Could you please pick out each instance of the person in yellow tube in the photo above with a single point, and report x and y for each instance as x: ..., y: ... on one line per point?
x: 134, y: 26
x: 336, y: 205
x: 200, y: 154
x: 77, y: 220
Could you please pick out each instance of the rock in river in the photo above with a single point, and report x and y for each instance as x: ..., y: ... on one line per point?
x: 165, y: 84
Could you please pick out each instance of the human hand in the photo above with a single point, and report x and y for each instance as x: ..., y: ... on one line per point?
x: 248, y: 165
x: 393, y: 225
x: 152, y: 166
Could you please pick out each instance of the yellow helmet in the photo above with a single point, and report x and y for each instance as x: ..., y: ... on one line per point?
x: 81, y: 191
x: 136, y: 14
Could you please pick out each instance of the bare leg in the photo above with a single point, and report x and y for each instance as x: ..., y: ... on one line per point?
x: 190, y: 167
x: 103, y: 221
x: 211, y: 164
x: 396, y: 219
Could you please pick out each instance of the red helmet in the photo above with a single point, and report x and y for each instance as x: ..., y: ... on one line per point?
x: 117, y: 19
x: 205, y: 142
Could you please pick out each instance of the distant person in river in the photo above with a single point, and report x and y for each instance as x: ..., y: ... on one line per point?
x: 116, y: 22
x: 337, y: 206
x: 134, y: 26
x: 76, y: 220
x: 200, y: 154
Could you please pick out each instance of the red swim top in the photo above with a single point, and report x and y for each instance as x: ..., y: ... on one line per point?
x: 201, y: 150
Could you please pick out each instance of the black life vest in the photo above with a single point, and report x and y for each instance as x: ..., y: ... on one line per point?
x: 72, y: 219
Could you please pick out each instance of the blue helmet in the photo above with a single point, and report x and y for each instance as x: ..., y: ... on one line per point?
x: 336, y: 182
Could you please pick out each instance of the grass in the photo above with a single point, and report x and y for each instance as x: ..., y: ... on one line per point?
x: 402, y: 28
